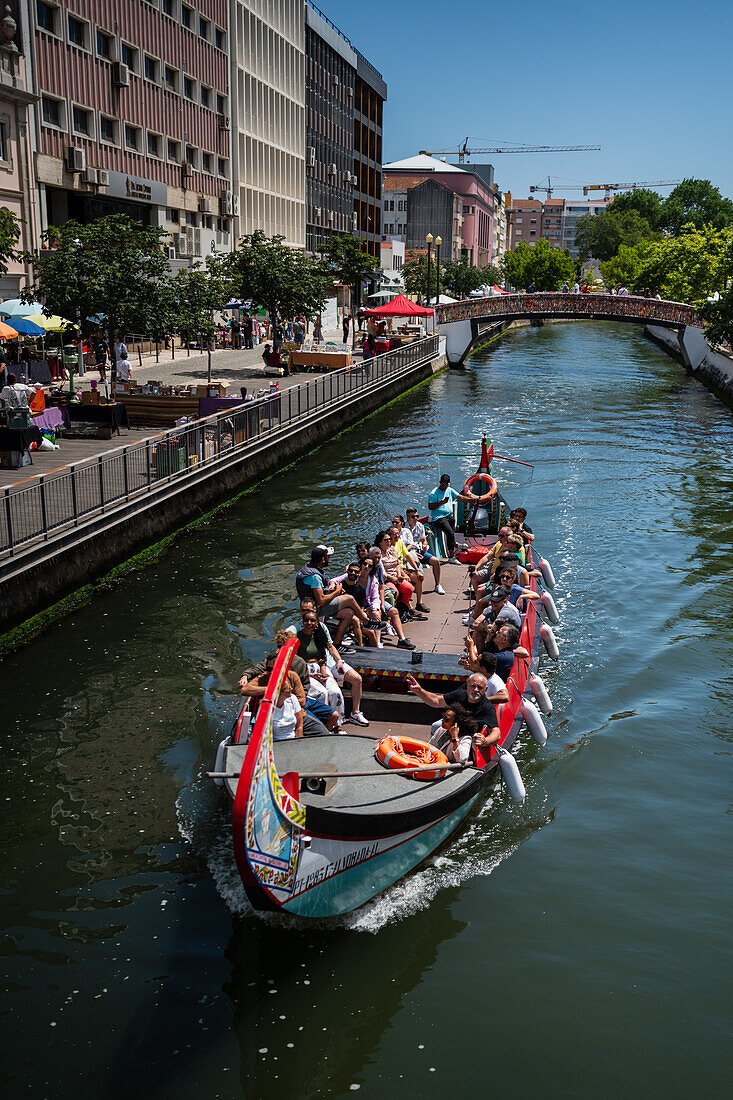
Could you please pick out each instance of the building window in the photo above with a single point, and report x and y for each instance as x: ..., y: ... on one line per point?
x: 153, y: 145
x: 104, y: 45
x: 107, y: 130
x: 400, y: 205
x: 221, y: 104
x: 151, y: 69
x: 205, y: 96
x: 172, y: 215
x: 51, y: 110
x: 220, y: 38
x: 129, y: 57
x: 132, y: 138
x: 222, y: 168
x: 82, y: 120
x: 46, y: 16
x: 169, y: 8
x: 78, y: 32
x: 171, y: 78
x: 174, y: 152
x: 186, y: 16
x: 191, y: 155
x: 204, y: 28
x: 533, y: 232
x: 206, y: 160
x: 189, y: 88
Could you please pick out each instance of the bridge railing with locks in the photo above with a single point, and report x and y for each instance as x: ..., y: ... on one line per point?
x: 561, y: 304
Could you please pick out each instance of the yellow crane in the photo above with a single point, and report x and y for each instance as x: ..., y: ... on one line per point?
x: 607, y: 187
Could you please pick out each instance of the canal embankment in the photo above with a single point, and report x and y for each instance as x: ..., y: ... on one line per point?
x: 711, y: 366
x: 62, y: 532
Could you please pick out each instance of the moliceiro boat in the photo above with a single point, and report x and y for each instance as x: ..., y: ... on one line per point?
x: 323, y: 824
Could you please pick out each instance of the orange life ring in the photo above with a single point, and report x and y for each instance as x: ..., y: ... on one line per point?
x: 408, y: 752
x: 485, y: 497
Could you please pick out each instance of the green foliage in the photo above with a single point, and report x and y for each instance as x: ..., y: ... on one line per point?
x: 350, y: 265
x: 601, y: 235
x: 648, y: 204
x: 460, y: 277
x: 194, y: 294
x: 9, y: 236
x: 113, y: 266
x: 698, y: 203
x: 688, y: 268
x: 282, y: 279
x: 625, y: 266
x: 415, y: 275
x: 540, y: 264
x: 718, y: 318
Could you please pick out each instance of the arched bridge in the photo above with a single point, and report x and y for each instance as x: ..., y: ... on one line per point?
x: 465, y: 324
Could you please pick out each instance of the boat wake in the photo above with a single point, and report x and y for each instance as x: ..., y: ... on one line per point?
x: 204, y: 822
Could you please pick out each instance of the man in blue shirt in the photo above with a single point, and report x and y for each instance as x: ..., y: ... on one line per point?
x: 440, y: 503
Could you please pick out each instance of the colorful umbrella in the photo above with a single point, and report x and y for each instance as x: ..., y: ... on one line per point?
x: 26, y: 327
x: 15, y: 308
x: 6, y: 332
x: 51, y: 324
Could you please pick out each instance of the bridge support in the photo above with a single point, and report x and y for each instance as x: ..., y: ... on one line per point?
x: 462, y: 336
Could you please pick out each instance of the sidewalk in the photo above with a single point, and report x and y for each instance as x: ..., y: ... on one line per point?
x: 227, y: 365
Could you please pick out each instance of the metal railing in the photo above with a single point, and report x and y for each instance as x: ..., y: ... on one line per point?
x: 560, y: 303
x: 83, y: 489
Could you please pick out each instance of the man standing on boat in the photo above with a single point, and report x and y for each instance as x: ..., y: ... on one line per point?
x: 440, y: 503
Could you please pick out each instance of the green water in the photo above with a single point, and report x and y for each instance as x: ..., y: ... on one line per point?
x: 576, y: 946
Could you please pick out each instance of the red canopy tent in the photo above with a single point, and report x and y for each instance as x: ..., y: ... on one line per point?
x: 399, y: 307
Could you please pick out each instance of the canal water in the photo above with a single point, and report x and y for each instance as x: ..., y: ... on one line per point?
x: 578, y: 945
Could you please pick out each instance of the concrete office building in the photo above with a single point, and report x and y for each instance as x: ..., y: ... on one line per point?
x: 344, y: 99
x: 268, y: 116
x: 133, y: 116
x: 575, y: 209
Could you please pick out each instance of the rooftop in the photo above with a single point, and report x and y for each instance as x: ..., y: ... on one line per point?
x: 421, y: 163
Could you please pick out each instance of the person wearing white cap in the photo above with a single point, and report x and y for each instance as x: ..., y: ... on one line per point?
x: 329, y: 597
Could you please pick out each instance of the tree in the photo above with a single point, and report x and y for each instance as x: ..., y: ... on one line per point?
x: 718, y: 318
x: 601, y: 235
x: 460, y: 277
x: 9, y: 237
x: 196, y: 293
x: 114, y: 267
x: 690, y: 267
x: 283, y: 280
x: 696, y: 202
x: 647, y: 204
x: 350, y: 265
x: 624, y: 267
x: 415, y: 275
x: 545, y: 267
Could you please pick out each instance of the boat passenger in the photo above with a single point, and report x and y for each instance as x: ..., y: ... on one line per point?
x: 503, y: 639
x: 352, y: 585
x: 415, y: 539
x: 471, y: 696
x: 440, y: 503
x: 395, y: 575
x: 316, y: 698
x: 254, y: 687
x: 499, y: 607
x: 409, y: 564
x: 485, y: 663
x: 520, y: 514
x: 485, y: 565
x: 313, y: 648
x: 330, y: 600
x: 454, y: 735
x: 379, y: 609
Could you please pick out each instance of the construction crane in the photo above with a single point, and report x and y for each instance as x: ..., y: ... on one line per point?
x: 463, y: 151
x: 607, y: 187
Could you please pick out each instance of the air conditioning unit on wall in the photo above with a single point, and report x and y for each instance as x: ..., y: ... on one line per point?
x: 103, y: 177
x: 120, y: 75
x: 75, y: 159
x: 310, y: 157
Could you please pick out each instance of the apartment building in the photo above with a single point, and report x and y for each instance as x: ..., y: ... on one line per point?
x: 133, y: 116
x: 575, y: 209
x: 524, y: 221
x: 552, y: 222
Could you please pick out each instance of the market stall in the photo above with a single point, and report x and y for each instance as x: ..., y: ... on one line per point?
x: 400, y: 306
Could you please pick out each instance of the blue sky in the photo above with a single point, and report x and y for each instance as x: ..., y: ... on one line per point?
x: 649, y: 82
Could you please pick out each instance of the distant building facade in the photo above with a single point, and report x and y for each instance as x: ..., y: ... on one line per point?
x: 555, y: 220
x: 133, y: 116
x: 16, y: 187
x: 575, y: 209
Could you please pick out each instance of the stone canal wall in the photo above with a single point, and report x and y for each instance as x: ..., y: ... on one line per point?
x: 709, y: 365
x: 40, y: 574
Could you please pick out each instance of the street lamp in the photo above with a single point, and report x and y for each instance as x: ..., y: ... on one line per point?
x: 429, y: 240
x: 438, y: 243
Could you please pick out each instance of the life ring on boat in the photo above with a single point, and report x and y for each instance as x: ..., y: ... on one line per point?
x: 408, y: 752
x: 484, y: 498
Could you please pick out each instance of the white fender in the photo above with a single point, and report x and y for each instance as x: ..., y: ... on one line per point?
x: 550, y: 607
x: 219, y: 765
x: 547, y: 575
x: 541, y: 693
x: 510, y: 773
x: 550, y: 641
x: 535, y: 725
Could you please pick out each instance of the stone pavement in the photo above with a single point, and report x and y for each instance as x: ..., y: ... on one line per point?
x: 227, y: 365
